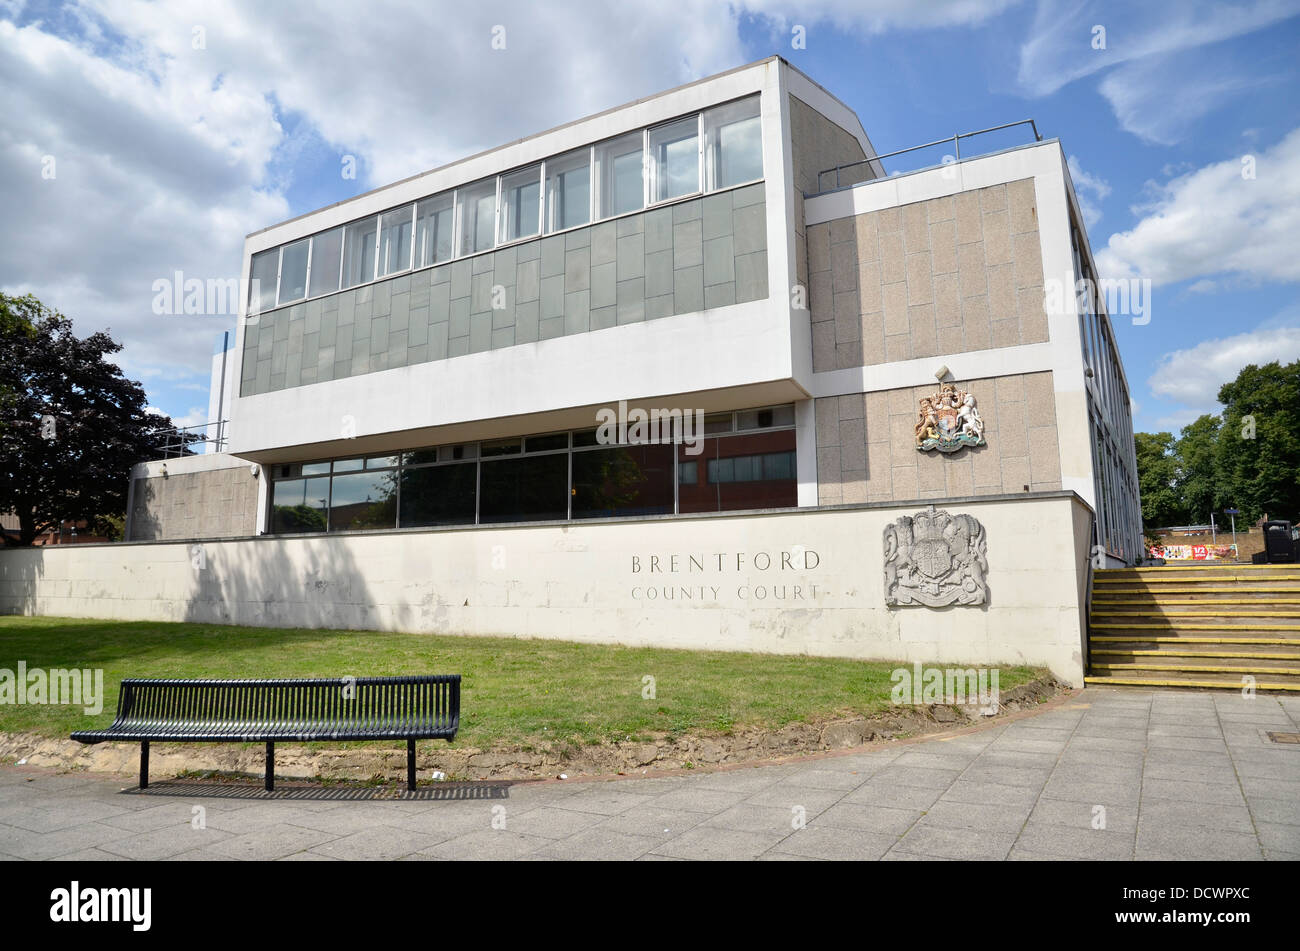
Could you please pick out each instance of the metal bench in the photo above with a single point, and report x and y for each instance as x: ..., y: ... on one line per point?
x: 286, y: 711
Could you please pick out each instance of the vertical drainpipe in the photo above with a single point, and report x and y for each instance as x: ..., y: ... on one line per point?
x: 221, y: 388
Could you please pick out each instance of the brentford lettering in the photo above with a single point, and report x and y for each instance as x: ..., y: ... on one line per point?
x: 801, y: 559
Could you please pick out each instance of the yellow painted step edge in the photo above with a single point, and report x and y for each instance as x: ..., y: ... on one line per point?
x: 1199, y: 684
x: 1132, y: 652
x: 1096, y: 613
x: 1206, y: 627
x: 1158, y: 601
x: 1213, y: 565
x: 1119, y: 639
x: 1204, y: 669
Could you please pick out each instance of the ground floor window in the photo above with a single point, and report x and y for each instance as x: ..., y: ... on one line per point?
x: 738, y: 460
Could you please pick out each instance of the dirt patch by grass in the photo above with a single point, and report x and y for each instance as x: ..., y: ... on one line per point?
x: 378, y: 765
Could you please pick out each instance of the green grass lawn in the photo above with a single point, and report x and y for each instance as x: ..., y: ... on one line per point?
x: 515, y: 692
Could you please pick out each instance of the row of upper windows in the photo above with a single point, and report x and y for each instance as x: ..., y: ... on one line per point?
x: 718, y: 148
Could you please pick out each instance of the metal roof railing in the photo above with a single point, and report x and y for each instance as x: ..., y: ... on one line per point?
x: 186, y: 440
x: 954, y: 139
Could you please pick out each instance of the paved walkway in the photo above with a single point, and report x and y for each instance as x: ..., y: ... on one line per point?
x: 1174, y: 775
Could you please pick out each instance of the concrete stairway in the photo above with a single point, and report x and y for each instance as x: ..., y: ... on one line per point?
x: 1203, y: 626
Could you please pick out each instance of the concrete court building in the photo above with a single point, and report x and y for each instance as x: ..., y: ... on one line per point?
x: 420, y: 372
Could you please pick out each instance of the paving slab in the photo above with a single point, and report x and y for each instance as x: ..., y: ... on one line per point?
x: 1187, y: 776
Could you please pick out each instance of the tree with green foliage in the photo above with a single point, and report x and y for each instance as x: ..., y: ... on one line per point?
x: 1157, y: 462
x: 1257, y: 456
x: 14, y: 320
x: 74, y: 425
x: 1197, y: 480
x: 1248, y: 458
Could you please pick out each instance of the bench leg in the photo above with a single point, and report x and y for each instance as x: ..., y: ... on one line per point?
x: 410, y: 765
x: 144, y: 764
x: 270, y: 767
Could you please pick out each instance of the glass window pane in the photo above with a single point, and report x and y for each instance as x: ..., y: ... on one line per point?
x: 349, y: 465
x: 420, y: 457
x: 467, y: 450
x: 722, y: 470
x: 316, y: 468
x: 619, y: 165
x: 381, y: 462
x: 521, y: 193
x: 433, y: 238
x: 524, y: 489
x: 261, y: 294
x: 359, y: 252
x: 543, y: 443
x: 299, y: 505
x: 675, y: 158
x: 364, y: 500
x: 717, y: 423
x: 753, y: 471
x: 501, y: 447
x: 477, y: 208
x: 628, y: 480
x: 293, y: 272
x: 688, y: 473
x: 326, y: 253
x: 395, y: 241
x: 439, y: 495
x: 568, y: 190
x: 733, y: 144
x: 765, y: 418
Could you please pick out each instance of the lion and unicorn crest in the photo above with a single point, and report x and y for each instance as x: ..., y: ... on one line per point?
x: 949, y: 420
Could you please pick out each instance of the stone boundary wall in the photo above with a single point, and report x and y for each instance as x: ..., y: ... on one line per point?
x: 808, y: 581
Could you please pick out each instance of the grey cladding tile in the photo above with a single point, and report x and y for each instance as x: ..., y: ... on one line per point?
x: 552, y: 256
x: 631, y: 256
x: 688, y: 250
x: 749, y: 226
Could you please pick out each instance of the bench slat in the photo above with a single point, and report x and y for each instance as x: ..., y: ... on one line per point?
x: 426, y: 707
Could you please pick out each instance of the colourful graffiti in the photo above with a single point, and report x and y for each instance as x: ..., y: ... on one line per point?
x: 1194, y: 552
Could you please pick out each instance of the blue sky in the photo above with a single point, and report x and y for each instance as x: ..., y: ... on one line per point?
x: 176, y: 129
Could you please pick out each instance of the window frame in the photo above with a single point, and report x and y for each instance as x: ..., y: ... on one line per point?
x: 296, y: 471
x: 596, y: 202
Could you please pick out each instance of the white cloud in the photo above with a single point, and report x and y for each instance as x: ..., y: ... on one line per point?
x: 166, y: 156
x: 879, y: 16
x: 1215, y: 221
x: 1089, y: 189
x: 1160, y: 99
x: 1060, y: 50
x: 1192, y: 377
x: 1162, y: 78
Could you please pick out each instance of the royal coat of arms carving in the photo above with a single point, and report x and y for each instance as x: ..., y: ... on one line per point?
x: 936, y: 559
x: 948, y: 420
